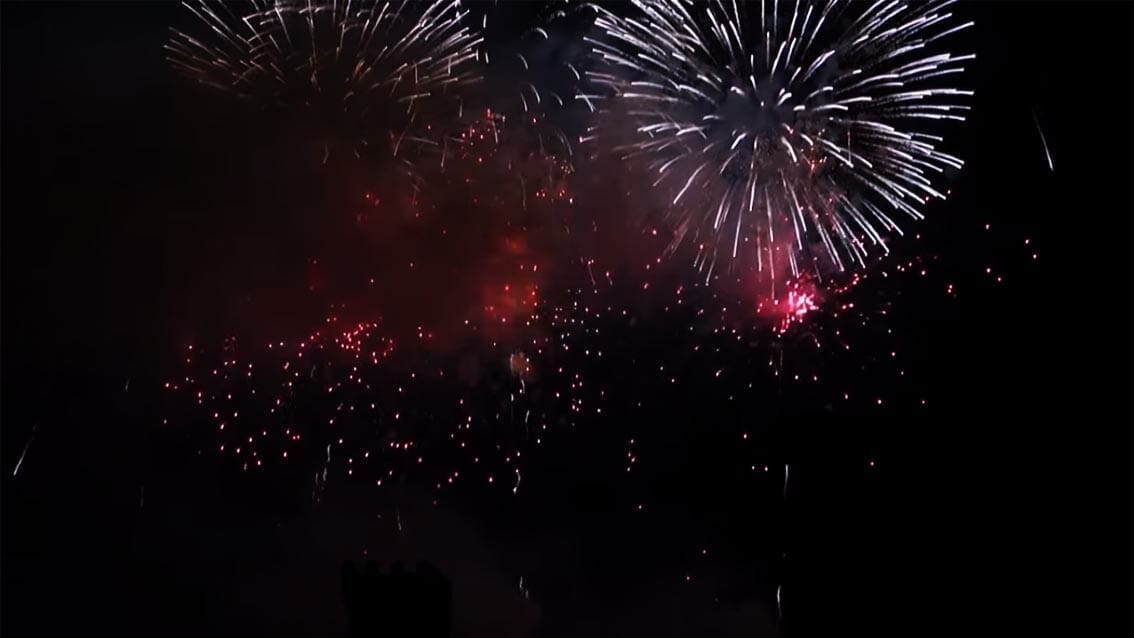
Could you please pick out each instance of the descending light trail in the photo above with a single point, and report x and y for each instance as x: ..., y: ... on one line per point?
x: 20, y: 461
x: 1043, y: 140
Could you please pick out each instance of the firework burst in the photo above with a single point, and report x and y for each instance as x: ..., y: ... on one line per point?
x: 384, y: 70
x: 793, y: 136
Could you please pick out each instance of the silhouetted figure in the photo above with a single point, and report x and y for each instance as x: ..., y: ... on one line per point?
x: 400, y: 604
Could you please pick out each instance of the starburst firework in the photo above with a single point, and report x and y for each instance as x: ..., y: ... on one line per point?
x: 385, y: 70
x: 793, y: 135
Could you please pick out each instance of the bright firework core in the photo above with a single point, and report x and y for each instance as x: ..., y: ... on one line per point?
x: 799, y: 303
x: 801, y: 298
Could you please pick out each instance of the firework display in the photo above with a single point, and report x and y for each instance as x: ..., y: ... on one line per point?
x: 469, y: 362
x: 792, y: 136
x: 623, y: 317
x: 348, y: 402
x: 784, y: 142
x: 387, y: 70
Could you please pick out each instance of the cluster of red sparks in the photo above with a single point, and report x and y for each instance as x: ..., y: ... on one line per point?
x: 464, y: 398
x: 506, y: 296
x: 488, y: 356
x: 473, y: 364
x: 801, y: 298
x: 348, y: 398
x: 501, y: 325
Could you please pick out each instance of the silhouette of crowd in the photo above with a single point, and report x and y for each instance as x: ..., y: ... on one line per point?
x: 398, y: 603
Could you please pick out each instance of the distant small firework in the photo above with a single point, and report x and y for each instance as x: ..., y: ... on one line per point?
x: 788, y: 135
x: 382, y: 64
x: 795, y: 306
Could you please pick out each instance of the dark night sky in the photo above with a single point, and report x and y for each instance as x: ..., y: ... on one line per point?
x: 139, y: 214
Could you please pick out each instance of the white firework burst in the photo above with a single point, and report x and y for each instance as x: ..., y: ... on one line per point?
x: 792, y: 134
x: 384, y: 66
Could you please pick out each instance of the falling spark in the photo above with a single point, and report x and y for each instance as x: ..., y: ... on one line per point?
x: 1043, y: 140
x: 20, y: 461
